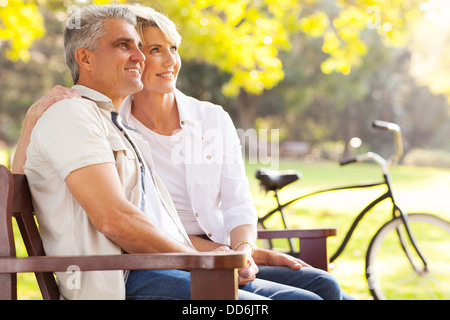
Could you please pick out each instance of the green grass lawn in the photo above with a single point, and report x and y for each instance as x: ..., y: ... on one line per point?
x: 417, y: 190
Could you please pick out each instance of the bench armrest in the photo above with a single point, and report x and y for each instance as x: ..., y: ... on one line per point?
x: 313, y: 243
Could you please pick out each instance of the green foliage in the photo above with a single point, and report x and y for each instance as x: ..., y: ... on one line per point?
x: 327, y: 65
x: 20, y: 24
x: 244, y: 37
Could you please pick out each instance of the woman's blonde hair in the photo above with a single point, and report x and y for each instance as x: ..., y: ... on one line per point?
x: 148, y: 17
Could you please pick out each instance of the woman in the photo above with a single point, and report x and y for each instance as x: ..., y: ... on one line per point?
x: 196, y: 152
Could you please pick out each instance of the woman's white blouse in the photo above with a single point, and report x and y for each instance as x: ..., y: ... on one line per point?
x: 217, y: 194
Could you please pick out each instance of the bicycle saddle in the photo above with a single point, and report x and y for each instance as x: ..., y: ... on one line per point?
x: 275, y: 180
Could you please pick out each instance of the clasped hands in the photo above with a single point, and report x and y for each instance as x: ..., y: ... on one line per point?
x: 262, y: 257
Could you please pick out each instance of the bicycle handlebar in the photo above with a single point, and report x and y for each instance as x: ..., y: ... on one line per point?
x: 378, y: 124
x: 348, y: 161
x: 398, y: 139
x: 383, y: 125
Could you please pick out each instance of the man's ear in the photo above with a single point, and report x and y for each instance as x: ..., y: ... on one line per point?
x: 83, y: 57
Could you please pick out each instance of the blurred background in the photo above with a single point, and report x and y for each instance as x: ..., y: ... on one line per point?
x: 319, y: 71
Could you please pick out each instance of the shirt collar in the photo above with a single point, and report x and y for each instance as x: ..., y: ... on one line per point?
x: 190, y: 118
x: 183, y: 106
x: 100, y: 99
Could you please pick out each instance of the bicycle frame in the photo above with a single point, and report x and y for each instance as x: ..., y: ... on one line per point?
x: 386, y: 195
x: 349, y: 233
x: 384, y: 164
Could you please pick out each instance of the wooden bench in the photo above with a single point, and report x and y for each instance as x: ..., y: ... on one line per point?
x: 208, y: 271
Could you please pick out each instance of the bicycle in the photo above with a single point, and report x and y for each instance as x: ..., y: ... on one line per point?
x: 418, y: 244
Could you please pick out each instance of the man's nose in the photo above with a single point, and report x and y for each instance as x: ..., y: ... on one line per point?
x: 138, y: 55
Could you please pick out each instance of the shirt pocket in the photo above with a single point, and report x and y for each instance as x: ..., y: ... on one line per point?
x: 126, y: 162
x: 118, y: 146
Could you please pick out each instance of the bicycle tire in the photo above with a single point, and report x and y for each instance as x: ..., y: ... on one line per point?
x: 389, y: 273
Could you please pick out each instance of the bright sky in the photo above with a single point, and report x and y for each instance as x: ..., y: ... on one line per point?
x: 430, y: 47
x: 437, y: 11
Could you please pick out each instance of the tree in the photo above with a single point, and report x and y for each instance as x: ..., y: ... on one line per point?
x: 244, y: 37
x: 26, y: 79
x: 245, y: 40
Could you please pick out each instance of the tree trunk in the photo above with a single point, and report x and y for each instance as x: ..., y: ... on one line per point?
x: 247, y: 110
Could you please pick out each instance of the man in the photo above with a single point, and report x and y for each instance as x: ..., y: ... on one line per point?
x: 88, y: 181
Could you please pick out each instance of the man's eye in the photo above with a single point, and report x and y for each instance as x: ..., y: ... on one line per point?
x: 154, y: 50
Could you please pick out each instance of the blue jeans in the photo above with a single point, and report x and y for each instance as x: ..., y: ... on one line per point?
x: 303, y: 284
x: 275, y: 283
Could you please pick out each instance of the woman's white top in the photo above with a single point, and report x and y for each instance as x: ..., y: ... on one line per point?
x: 202, y: 167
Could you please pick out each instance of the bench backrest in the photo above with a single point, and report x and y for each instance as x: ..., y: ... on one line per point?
x: 15, y: 201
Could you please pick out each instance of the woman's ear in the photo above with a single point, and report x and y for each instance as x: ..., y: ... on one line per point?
x: 83, y: 57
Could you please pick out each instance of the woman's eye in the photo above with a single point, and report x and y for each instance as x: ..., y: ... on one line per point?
x: 154, y: 50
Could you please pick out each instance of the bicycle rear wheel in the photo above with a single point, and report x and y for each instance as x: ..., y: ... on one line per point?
x: 390, y: 274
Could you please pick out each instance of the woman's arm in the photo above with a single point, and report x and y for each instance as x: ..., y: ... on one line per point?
x: 56, y: 94
x: 204, y: 245
x: 243, y: 238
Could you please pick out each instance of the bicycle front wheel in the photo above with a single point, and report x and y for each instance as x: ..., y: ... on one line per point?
x: 389, y: 272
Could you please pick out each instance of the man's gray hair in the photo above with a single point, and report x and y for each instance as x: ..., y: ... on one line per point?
x: 85, y: 27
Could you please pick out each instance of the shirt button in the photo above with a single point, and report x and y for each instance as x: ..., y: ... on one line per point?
x: 210, y: 235
x: 208, y: 157
x: 182, y: 122
x: 196, y: 214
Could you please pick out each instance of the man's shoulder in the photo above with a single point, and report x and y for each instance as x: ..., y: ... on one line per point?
x: 71, y: 106
x: 68, y: 117
x: 70, y: 111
